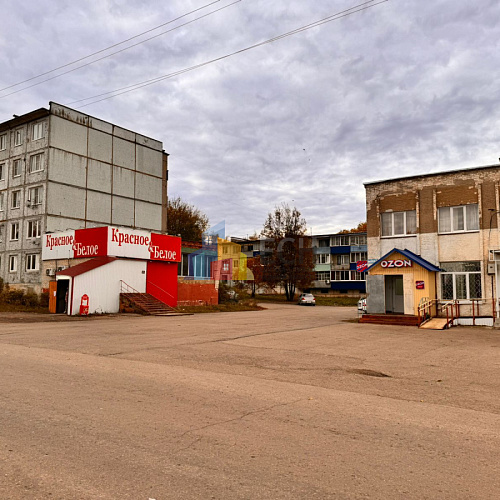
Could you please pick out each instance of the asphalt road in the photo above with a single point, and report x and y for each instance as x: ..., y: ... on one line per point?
x: 286, y: 403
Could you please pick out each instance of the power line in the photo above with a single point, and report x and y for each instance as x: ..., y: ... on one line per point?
x: 116, y: 52
x: 334, y: 17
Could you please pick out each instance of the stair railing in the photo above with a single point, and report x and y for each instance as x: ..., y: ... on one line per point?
x: 164, y: 291
x: 126, y: 288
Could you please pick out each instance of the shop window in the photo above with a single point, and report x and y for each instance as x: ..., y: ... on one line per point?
x: 399, y: 223
x: 461, y: 280
x: 458, y: 219
x: 323, y: 258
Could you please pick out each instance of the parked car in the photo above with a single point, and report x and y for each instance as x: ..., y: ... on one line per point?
x: 307, y: 299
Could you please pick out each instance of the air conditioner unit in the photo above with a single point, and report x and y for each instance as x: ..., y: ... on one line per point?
x: 62, y: 268
x: 50, y: 272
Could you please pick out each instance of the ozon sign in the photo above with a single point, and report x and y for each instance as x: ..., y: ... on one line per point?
x: 395, y: 263
x: 113, y: 241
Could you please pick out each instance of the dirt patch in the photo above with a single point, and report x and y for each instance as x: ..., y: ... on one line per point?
x: 24, y: 317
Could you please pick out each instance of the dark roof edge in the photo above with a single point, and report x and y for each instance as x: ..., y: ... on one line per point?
x: 433, y: 174
x: 28, y: 117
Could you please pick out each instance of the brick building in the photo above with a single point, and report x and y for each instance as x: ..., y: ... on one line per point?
x: 435, y: 236
x: 61, y: 169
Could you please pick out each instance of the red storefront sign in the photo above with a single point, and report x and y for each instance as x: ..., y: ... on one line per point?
x: 361, y: 266
x: 420, y: 285
x: 112, y: 241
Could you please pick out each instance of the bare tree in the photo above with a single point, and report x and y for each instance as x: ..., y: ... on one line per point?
x: 289, y: 260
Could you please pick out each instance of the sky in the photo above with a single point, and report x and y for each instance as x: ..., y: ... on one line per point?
x: 403, y: 87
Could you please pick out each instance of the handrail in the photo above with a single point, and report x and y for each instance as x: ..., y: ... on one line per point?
x: 127, y: 288
x: 161, y: 289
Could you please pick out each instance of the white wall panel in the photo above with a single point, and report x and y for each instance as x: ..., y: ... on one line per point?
x: 67, y: 167
x: 147, y: 216
x: 123, y: 153
x: 100, y: 145
x: 122, y: 212
x: 149, y: 160
x: 99, y: 176
x: 123, y: 182
x: 98, y: 207
x: 64, y: 200
x: 148, y: 188
x: 68, y: 135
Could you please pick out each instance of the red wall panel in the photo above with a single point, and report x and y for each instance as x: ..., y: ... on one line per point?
x: 161, y: 281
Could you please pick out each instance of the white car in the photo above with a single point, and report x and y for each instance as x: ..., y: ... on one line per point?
x: 306, y: 299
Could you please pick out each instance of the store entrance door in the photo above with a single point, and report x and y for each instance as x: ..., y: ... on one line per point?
x: 394, y: 296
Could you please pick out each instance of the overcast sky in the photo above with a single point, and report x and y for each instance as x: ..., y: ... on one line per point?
x: 405, y: 87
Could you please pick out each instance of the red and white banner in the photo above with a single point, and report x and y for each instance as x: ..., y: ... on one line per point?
x: 113, y: 241
x: 361, y: 266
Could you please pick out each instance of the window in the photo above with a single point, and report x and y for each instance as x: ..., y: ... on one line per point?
x: 322, y: 275
x: 356, y: 256
x: 16, y: 199
x: 324, y: 242
x: 458, y: 219
x: 1, y: 234
x: 12, y: 263
x: 461, y: 280
x: 399, y: 223
x: 35, y: 195
x: 323, y: 258
x: 342, y: 259
x: 37, y: 131
x: 32, y: 262
x: 14, y: 231
x: 2, y: 198
x: 356, y: 276
x: 342, y: 275
x: 16, y: 169
x: 358, y: 239
x: 2, y: 171
x: 36, y: 163
x: 339, y: 241
x: 34, y: 229
x: 18, y: 137
x: 3, y: 142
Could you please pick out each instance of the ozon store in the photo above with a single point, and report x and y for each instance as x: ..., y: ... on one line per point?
x: 95, y: 265
x: 398, y: 281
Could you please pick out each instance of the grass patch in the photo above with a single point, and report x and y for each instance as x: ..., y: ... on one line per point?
x: 21, y: 308
x: 244, y: 305
x: 321, y: 300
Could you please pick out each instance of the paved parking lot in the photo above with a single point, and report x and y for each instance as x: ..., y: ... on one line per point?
x: 290, y: 402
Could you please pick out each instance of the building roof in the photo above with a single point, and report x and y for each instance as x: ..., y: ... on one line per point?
x: 433, y: 174
x: 86, y: 266
x: 20, y: 120
x: 412, y: 256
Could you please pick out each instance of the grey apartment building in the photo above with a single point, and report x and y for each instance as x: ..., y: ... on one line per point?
x: 62, y: 169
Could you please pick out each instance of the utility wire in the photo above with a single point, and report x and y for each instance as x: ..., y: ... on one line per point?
x: 116, y: 52
x: 334, y: 17
x: 107, y: 48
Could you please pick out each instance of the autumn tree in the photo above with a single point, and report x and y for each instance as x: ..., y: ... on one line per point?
x: 186, y: 220
x: 255, y: 265
x: 361, y: 228
x: 289, y: 262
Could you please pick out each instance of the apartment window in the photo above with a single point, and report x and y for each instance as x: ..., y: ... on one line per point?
x: 1, y: 234
x: 14, y: 231
x: 357, y: 256
x: 357, y: 276
x: 36, y: 163
x: 32, y: 261
x: 34, y: 228
x: 458, y: 219
x: 399, y: 223
x: 35, y: 195
x: 342, y: 275
x: 324, y: 242
x: 16, y: 199
x: 323, y: 258
x: 3, y: 142
x: 18, y: 137
x: 37, y: 131
x: 322, y: 275
x: 461, y: 280
x: 343, y: 259
x: 12, y: 263
x: 2, y: 199
x: 358, y: 240
x: 2, y: 171
x: 339, y: 241
x: 16, y: 169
